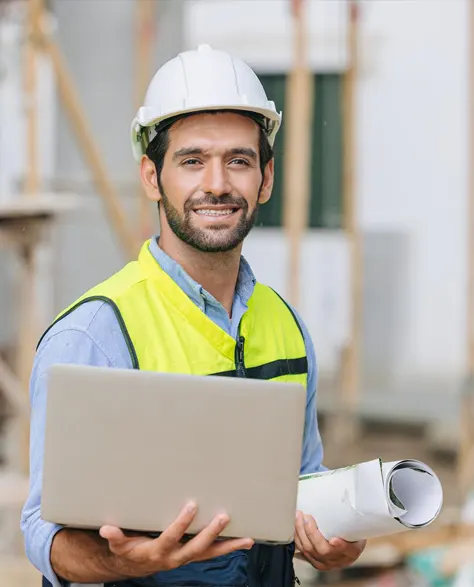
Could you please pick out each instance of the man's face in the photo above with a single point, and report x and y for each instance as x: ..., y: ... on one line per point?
x: 211, y: 182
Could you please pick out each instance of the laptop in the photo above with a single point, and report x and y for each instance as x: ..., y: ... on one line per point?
x: 129, y: 448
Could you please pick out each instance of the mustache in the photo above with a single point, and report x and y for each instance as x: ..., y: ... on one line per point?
x: 212, y: 200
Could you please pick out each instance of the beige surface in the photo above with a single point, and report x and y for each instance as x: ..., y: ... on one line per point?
x: 17, y: 572
x: 13, y: 489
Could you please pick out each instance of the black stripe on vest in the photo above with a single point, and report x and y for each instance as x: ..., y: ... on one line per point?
x: 118, y: 315
x: 271, y: 370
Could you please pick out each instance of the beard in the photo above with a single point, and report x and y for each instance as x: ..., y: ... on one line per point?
x: 214, y: 239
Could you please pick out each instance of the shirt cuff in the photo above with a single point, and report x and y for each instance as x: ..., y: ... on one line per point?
x: 48, y: 569
x: 38, y: 550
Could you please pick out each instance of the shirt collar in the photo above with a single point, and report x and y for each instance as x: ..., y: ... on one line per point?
x: 245, y: 281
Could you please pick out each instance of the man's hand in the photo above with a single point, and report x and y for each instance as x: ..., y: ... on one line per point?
x: 140, y: 556
x: 324, y: 555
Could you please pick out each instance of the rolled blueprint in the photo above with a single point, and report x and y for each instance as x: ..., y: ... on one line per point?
x: 371, y: 499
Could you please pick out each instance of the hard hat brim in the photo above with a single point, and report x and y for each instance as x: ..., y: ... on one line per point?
x: 144, y: 120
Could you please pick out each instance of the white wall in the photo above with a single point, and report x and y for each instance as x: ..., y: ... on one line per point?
x: 412, y: 159
x: 259, y: 31
x: 413, y: 165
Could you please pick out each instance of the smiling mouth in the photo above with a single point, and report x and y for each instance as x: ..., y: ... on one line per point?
x: 220, y: 212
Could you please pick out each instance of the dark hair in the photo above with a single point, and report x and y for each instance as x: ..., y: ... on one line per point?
x: 157, y: 148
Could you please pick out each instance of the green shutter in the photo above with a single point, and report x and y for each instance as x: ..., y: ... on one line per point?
x: 326, y: 155
x: 270, y: 214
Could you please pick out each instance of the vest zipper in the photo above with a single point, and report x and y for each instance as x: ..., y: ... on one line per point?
x: 239, y: 355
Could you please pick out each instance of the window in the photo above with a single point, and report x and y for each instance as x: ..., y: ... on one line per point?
x: 326, y: 153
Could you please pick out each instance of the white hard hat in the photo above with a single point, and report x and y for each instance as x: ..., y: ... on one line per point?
x: 202, y: 79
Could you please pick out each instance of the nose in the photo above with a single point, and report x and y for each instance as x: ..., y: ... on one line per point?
x: 215, y: 179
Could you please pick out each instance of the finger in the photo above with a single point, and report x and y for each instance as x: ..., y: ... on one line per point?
x: 319, y: 545
x: 171, y: 537
x: 118, y: 542
x: 226, y: 547
x: 321, y: 566
x: 300, y: 549
x: 299, y: 546
x: 196, y: 547
x: 328, y: 564
x: 317, y: 564
x: 350, y: 549
x: 309, y: 556
x: 303, y: 542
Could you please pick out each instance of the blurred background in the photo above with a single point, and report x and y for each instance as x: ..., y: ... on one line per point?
x: 369, y: 231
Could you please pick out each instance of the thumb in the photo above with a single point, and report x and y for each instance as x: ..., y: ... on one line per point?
x: 119, y: 543
x: 116, y: 539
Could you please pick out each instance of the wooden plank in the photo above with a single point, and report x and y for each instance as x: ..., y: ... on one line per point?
x: 84, y: 135
x: 11, y: 387
x: 22, y: 221
x: 296, y: 174
x: 44, y: 204
x: 145, y: 40
x: 429, y: 537
x: 351, y: 355
x: 466, y: 447
x: 35, y: 9
x: 465, y: 461
x: 28, y: 336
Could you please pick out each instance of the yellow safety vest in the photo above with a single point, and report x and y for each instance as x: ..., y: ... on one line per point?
x: 165, y: 331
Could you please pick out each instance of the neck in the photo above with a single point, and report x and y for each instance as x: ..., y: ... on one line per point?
x: 217, y: 273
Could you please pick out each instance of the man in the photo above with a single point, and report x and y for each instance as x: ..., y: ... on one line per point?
x: 191, y: 304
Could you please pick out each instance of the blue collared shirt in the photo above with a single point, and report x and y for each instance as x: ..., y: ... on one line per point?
x: 91, y: 335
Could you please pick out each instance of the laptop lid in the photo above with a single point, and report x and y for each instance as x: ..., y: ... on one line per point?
x: 130, y: 448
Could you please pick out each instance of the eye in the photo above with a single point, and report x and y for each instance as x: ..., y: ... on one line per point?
x: 241, y: 162
x: 190, y: 162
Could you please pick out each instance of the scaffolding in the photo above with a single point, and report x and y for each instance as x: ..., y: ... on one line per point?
x: 26, y: 221
x: 39, y: 210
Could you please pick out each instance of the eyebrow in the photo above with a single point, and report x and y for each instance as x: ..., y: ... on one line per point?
x: 247, y: 151
x: 186, y: 151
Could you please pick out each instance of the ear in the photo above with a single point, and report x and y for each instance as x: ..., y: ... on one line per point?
x: 149, y: 179
x: 267, y: 183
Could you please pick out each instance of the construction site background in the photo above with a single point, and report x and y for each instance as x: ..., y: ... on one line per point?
x: 371, y: 239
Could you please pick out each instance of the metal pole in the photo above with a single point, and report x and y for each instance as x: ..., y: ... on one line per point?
x: 352, y: 355
x: 35, y: 12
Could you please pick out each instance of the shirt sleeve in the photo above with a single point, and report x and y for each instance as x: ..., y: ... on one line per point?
x: 70, y: 342
x: 312, y: 456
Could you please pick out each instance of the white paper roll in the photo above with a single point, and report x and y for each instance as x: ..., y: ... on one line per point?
x: 371, y: 499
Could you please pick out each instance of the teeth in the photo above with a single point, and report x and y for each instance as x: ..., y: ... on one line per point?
x: 214, y: 212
